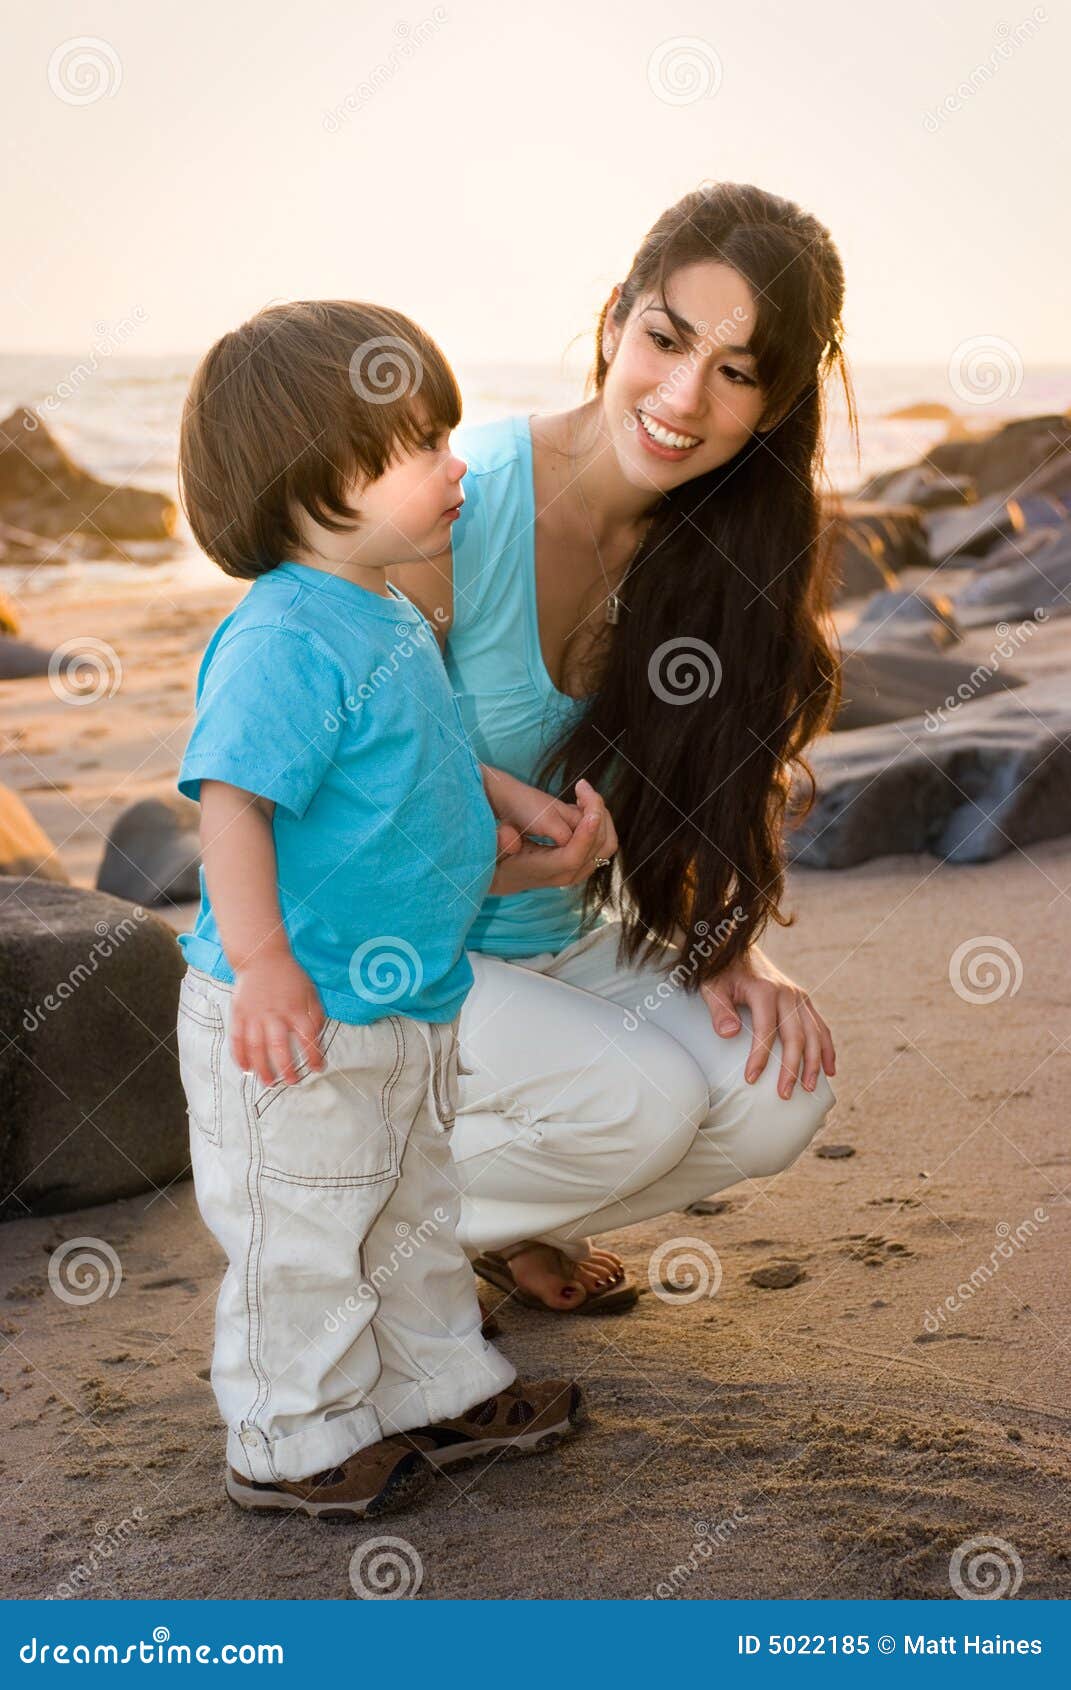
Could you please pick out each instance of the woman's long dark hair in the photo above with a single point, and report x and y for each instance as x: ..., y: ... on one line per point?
x: 721, y: 670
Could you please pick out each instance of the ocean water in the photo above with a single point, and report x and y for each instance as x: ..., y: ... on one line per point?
x: 119, y: 415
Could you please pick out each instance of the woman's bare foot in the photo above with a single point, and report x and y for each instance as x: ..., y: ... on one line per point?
x: 562, y: 1284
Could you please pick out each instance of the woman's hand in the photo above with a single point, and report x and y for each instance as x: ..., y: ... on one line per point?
x: 777, y: 1005
x: 581, y: 832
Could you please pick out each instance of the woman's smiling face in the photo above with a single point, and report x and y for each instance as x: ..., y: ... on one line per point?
x: 680, y: 395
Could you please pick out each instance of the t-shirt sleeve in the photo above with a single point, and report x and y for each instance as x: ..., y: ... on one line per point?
x: 269, y: 711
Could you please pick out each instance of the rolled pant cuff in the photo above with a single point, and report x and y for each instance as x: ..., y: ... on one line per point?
x: 313, y: 1449
x: 480, y: 1372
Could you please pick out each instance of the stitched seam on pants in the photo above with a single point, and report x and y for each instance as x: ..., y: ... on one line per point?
x: 253, y: 1263
x: 301, y: 1069
x: 387, y: 1094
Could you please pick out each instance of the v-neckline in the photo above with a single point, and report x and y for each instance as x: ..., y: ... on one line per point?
x: 523, y: 431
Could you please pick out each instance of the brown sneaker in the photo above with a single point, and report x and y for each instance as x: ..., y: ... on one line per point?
x: 527, y: 1417
x: 378, y: 1479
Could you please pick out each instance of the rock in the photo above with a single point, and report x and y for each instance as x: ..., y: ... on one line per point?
x: 918, y: 485
x: 889, y: 685
x: 835, y: 1152
x: 871, y: 542
x: 777, y: 1276
x: 955, y: 536
x: 905, y: 615
x: 25, y: 848
x: 967, y: 784
x: 1028, y: 454
x: 709, y: 1206
x: 18, y: 658
x: 927, y: 410
x: 44, y: 491
x: 153, y: 852
x: 9, y: 616
x: 94, y: 1107
x: 1016, y: 591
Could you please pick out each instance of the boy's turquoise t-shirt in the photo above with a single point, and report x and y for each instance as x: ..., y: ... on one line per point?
x: 334, y: 703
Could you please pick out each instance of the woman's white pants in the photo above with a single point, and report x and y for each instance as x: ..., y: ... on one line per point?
x: 594, y: 1095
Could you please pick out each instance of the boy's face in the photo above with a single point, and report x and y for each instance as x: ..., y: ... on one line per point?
x: 406, y: 515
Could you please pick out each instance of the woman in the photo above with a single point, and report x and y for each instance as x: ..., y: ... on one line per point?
x: 637, y: 596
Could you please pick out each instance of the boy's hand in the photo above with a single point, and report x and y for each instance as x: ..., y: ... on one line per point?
x: 274, y: 999
x: 525, y: 809
x: 523, y: 865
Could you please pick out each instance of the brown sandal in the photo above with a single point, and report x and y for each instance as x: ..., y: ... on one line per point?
x: 493, y: 1265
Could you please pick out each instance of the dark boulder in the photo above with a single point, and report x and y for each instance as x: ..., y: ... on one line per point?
x: 966, y: 784
x: 153, y: 852
x: 870, y: 542
x: 893, y: 685
x: 1020, y: 588
x: 93, y: 1104
x: 43, y: 490
x: 912, y: 616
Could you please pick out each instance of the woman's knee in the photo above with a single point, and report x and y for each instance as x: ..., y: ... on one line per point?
x: 775, y: 1129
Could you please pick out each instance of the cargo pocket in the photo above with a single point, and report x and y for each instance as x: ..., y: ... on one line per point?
x: 200, y: 1045
x: 333, y: 1128
x: 445, y: 1071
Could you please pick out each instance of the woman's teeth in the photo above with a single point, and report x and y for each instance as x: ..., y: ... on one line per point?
x: 664, y: 435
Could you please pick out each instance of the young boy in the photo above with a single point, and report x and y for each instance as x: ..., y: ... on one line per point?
x: 347, y: 844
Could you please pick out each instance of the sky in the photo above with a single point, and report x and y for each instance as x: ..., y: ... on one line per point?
x: 490, y: 167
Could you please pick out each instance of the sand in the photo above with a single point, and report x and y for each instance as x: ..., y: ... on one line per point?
x: 839, y: 1437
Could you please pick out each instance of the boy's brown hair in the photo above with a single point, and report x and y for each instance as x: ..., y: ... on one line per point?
x: 287, y: 411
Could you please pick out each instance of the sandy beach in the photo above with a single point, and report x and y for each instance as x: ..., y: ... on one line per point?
x: 837, y: 1437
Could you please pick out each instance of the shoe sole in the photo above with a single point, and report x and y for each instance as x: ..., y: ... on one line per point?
x: 399, y: 1490
x: 530, y: 1443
